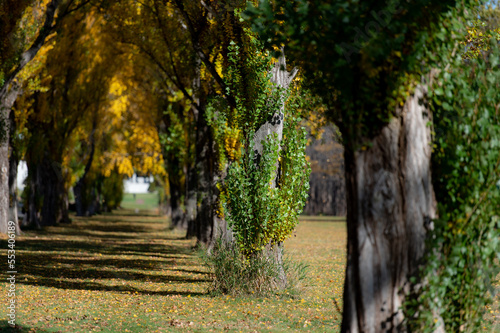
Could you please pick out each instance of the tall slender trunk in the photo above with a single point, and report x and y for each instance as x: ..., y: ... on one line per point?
x: 206, y: 171
x: 7, y: 99
x: 196, y: 172
x: 191, y: 188
x: 13, y: 163
x: 4, y: 186
x: 164, y: 207
x: 82, y: 204
x: 172, y: 203
x: 390, y: 205
x: 221, y: 229
x: 178, y: 217
x: 274, y: 125
x: 13, y: 216
x: 32, y: 210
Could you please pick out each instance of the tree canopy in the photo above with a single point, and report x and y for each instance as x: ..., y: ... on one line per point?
x: 212, y: 97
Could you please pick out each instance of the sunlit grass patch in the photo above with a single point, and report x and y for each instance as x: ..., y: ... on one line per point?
x: 124, y: 272
x: 141, y: 201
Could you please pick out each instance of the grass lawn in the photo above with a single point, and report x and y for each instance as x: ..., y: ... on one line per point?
x: 127, y: 272
x: 144, y: 202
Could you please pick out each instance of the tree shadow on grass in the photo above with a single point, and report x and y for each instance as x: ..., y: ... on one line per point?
x: 88, y: 285
x: 73, y: 257
x: 96, y: 245
x: 6, y: 328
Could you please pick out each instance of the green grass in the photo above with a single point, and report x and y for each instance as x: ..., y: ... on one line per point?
x: 127, y: 272
x: 144, y: 202
x: 322, y: 218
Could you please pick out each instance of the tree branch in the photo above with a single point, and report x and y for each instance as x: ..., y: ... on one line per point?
x: 165, y: 71
x: 169, y: 50
x: 29, y: 54
x: 203, y: 57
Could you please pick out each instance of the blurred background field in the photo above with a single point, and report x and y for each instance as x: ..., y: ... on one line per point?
x: 140, y: 201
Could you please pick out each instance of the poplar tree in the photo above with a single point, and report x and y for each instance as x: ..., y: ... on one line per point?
x: 389, y: 71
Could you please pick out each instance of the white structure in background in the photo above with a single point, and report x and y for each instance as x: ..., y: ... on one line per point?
x: 137, y: 184
x: 22, y: 174
x: 132, y: 185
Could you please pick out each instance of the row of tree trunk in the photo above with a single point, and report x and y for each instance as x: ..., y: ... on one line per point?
x: 327, y: 192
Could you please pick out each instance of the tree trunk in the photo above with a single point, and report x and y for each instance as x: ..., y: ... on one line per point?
x: 221, y: 229
x: 79, y: 200
x: 390, y: 206
x: 8, y: 94
x: 13, y: 216
x: 4, y: 186
x: 83, y: 204
x: 52, y: 185
x: 191, y: 188
x: 178, y: 217
x: 87, y: 198
x: 65, y: 207
x: 206, y: 173
x: 13, y: 163
x: 46, y: 186
x: 274, y: 125
x: 94, y: 206
x: 7, y: 99
x: 32, y: 208
x: 196, y: 173
x: 164, y: 207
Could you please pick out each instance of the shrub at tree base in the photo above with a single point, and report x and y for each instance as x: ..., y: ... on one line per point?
x: 235, y: 274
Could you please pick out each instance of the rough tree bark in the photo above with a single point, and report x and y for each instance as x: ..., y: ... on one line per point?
x: 7, y: 99
x: 221, y: 229
x: 195, y: 174
x: 13, y: 163
x: 206, y: 167
x: 200, y: 208
x: 13, y: 216
x: 390, y: 206
x: 274, y: 125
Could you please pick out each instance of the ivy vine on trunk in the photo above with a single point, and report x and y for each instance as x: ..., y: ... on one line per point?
x: 261, y: 149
